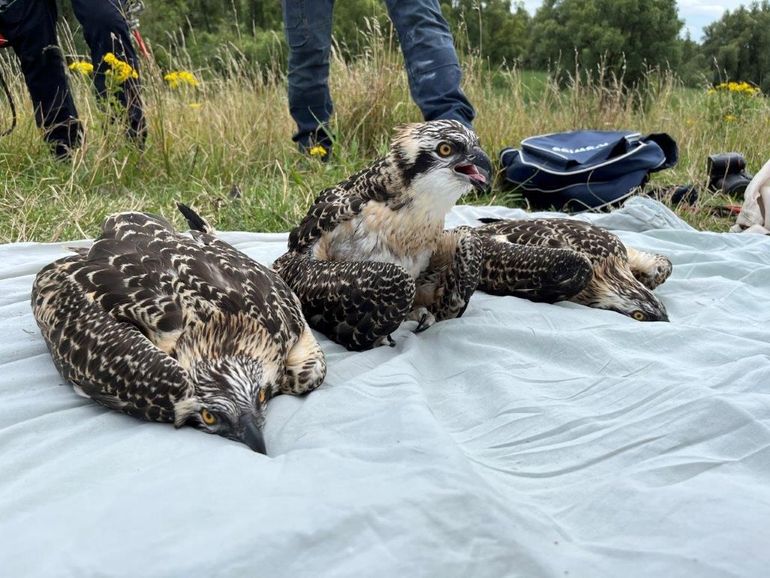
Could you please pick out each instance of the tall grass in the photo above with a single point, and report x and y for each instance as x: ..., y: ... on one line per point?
x: 225, y: 146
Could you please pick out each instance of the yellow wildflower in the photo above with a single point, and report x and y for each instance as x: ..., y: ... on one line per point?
x: 736, y: 88
x: 119, y: 70
x: 81, y: 66
x: 179, y: 78
x: 317, y: 151
x: 730, y: 117
x: 194, y: 105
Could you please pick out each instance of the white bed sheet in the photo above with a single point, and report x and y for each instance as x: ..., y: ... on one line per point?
x: 523, y: 439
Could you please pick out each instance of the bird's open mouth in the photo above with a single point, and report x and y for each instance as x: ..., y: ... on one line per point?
x: 472, y: 172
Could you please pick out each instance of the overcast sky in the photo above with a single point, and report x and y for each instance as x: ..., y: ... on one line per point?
x: 695, y: 13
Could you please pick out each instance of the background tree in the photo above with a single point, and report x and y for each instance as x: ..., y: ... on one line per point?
x: 253, y: 27
x: 625, y: 36
x: 496, y: 30
x: 739, y: 46
x: 693, y: 66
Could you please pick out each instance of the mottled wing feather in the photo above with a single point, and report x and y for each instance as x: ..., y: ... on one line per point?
x: 107, y: 360
x: 537, y: 273
x: 174, y: 280
x: 355, y: 303
x: 264, y: 293
x: 595, y: 243
x: 452, y: 275
x: 336, y: 205
x: 111, y: 316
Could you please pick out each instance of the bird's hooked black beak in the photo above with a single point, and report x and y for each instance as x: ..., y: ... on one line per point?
x: 251, y: 434
x: 478, y: 169
x: 660, y: 315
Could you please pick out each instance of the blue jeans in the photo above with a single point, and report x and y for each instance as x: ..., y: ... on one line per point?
x: 426, y: 42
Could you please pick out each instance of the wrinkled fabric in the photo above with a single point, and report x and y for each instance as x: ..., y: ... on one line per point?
x: 524, y: 439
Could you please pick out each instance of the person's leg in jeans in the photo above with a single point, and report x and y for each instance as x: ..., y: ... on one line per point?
x: 431, y: 61
x: 106, y: 30
x: 30, y: 27
x: 308, y: 27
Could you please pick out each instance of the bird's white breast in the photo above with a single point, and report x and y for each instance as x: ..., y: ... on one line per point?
x: 403, y: 237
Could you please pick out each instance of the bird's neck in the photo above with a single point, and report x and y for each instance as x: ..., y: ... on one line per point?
x: 224, y: 335
x: 399, y: 222
x: 379, y: 182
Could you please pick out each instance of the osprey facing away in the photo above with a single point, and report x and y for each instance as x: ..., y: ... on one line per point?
x: 564, y: 259
x: 372, y: 250
x: 169, y: 328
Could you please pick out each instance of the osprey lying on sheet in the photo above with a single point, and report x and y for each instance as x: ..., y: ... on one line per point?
x: 563, y: 259
x: 372, y: 251
x: 169, y: 328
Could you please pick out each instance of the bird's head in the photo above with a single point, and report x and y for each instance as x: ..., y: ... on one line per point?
x: 618, y: 290
x: 231, y: 395
x: 440, y: 159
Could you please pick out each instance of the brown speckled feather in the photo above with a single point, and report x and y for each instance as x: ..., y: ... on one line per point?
x: 368, y: 244
x: 341, y: 203
x: 445, y: 287
x: 593, y: 242
x: 355, y: 303
x: 127, y: 320
x: 566, y: 259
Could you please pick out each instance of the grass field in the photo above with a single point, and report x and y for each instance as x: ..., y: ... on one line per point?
x: 225, y: 146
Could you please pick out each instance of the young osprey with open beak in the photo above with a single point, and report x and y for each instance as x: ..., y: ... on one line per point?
x: 171, y: 328
x: 372, y: 250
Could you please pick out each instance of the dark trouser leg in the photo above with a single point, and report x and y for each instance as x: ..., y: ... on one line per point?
x: 30, y: 27
x: 355, y: 303
x: 308, y: 27
x: 431, y: 61
x: 106, y: 30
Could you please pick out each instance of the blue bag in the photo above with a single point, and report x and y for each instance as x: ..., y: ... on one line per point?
x: 585, y: 169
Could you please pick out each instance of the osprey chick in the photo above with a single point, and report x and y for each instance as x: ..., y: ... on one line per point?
x: 165, y: 327
x: 564, y: 259
x: 372, y: 250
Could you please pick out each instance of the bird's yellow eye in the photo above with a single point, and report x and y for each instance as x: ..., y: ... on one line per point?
x: 208, y: 417
x: 444, y: 149
x: 639, y: 316
x: 262, y: 395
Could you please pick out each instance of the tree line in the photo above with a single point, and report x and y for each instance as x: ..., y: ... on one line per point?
x: 624, y: 37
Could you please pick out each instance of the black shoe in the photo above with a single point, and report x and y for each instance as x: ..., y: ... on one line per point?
x: 64, y: 138
x: 727, y: 174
